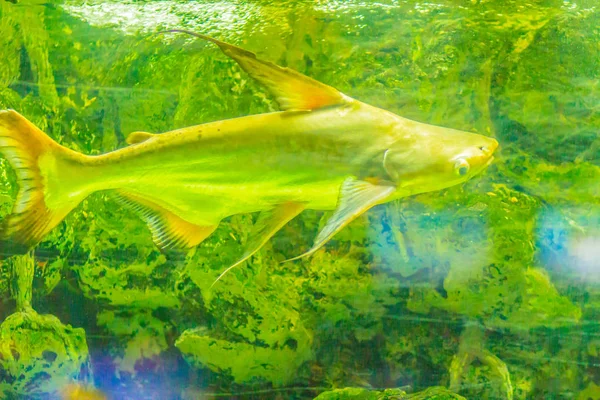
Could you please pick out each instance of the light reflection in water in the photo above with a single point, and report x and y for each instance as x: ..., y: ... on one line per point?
x: 409, y: 240
x: 569, y: 242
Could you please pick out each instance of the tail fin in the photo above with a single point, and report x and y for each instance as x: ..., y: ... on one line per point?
x: 35, y: 157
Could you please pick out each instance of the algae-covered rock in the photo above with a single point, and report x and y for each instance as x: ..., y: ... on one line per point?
x: 432, y: 393
x: 267, y: 312
x: 361, y: 394
x: 119, y: 285
x: 137, y: 337
x: 39, y: 354
x: 435, y: 393
x: 140, y: 276
x: 242, y: 361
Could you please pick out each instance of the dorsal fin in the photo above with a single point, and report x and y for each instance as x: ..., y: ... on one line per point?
x: 138, y: 137
x: 293, y: 90
x: 168, y: 230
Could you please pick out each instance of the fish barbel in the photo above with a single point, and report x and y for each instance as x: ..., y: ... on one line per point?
x: 323, y: 151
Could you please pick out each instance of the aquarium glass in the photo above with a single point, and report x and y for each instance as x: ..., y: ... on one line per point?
x: 488, y: 289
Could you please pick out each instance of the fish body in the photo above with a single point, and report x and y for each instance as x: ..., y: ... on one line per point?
x: 246, y: 164
x: 324, y: 151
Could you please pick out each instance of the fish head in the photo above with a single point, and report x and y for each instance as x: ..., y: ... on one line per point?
x: 427, y: 158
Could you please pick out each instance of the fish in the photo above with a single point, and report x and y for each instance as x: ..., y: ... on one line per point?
x: 323, y: 150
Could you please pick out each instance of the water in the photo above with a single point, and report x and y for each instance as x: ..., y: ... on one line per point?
x: 490, y: 289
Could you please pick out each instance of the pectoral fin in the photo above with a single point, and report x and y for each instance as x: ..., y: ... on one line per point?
x: 138, y: 137
x: 293, y: 90
x: 168, y: 230
x: 268, y: 223
x: 356, y: 197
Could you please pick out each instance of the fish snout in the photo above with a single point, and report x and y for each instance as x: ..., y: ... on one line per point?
x: 489, y: 148
x: 483, y: 157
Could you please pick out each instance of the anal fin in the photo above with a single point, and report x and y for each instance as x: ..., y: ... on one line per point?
x: 356, y: 197
x: 168, y: 230
x: 268, y: 224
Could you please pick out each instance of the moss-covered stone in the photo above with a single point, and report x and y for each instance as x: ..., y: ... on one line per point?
x: 39, y: 355
x: 241, y: 360
x: 432, y: 393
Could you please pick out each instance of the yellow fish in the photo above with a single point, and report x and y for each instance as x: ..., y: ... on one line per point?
x: 323, y: 151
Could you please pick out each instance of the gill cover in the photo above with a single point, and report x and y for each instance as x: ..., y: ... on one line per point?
x: 388, y: 167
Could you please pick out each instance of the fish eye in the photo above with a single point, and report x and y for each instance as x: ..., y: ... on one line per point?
x: 462, y: 167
